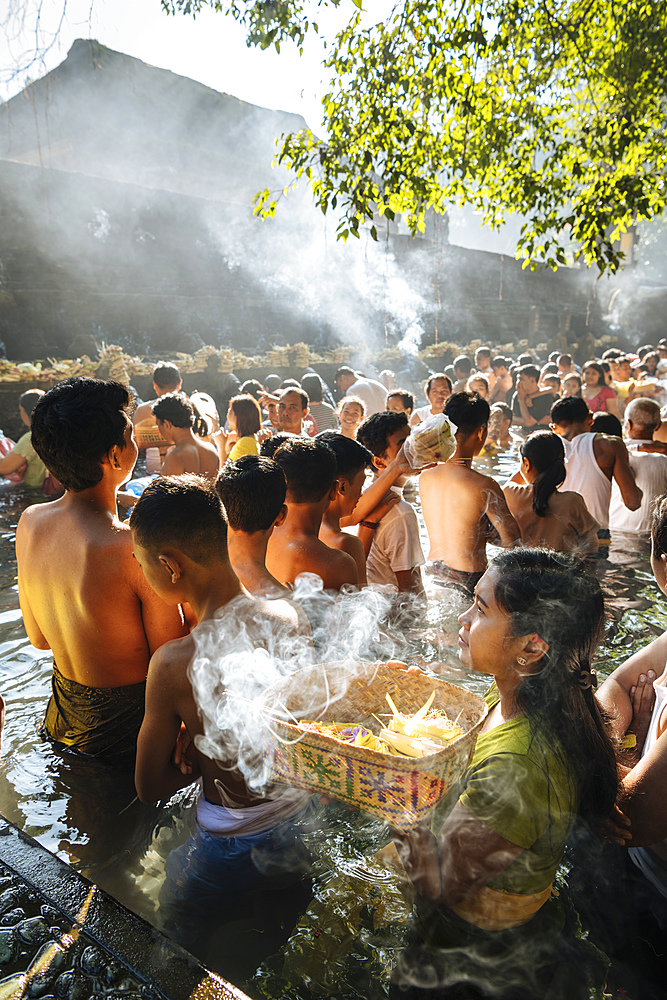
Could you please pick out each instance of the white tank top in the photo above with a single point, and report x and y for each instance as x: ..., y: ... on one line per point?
x: 651, y: 865
x: 584, y: 476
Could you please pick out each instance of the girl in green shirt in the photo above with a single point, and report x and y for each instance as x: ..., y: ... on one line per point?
x: 543, y: 758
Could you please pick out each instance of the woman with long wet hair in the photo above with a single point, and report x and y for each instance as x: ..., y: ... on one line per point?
x: 544, y: 759
x: 545, y: 515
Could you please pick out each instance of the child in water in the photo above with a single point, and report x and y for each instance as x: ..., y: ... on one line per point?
x: 546, y: 516
x: 543, y: 759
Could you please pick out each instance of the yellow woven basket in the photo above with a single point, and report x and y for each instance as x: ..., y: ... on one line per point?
x: 401, y: 790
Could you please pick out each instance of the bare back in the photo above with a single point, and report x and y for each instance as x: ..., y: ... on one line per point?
x: 197, y: 456
x: 84, y: 596
x: 456, y: 502
x: 290, y: 553
x: 345, y: 542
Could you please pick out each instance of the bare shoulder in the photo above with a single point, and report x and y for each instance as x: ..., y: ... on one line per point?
x: 281, y: 611
x: 172, y: 659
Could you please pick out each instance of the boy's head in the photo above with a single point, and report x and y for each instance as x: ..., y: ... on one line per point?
x: 499, y: 366
x: 527, y: 377
x: 269, y: 447
x: 383, y: 434
x: 462, y: 366
x: 352, y: 460
x: 482, y: 358
x: 570, y: 410
x: 166, y: 378
x: 500, y: 421
x: 177, y: 516
x: 309, y: 467
x: 252, y: 490
x: 470, y: 413
x: 401, y: 401
x: 78, y: 425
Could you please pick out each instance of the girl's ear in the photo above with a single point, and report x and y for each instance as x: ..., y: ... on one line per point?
x: 534, y: 648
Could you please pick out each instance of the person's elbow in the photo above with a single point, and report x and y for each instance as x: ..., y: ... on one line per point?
x: 634, y: 501
x: 147, y: 790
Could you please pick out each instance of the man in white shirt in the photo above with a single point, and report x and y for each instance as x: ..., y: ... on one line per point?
x: 372, y: 393
x: 642, y: 419
x: 395, y: 555
x: 438, y: 389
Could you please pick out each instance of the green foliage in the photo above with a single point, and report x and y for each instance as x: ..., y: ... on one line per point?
x: 553, y: 109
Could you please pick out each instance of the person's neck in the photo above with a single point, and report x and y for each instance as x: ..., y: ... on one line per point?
x: 465, y: 452
x: 247, y: 554
x: 507, y: 688
x: 182, y: 434
x: 574, y: 430
x: 331, y: 517
x: 304, y: 518
x: 99, y: 499
x: 213, y: 587
x: 640, y: 434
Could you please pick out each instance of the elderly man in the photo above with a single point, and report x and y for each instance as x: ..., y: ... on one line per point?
x: 642, y: 419
x: 293, y: 408
x: 372, y: 393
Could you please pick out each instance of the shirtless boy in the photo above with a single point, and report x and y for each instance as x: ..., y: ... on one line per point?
x: 458, y: 503
x: 179, y: 535
x: 252, y: 490
x: 295, y: 547
x: 352, y: 460
x: 166, y: 378
x: 82, y: 594
x: 178, y: 423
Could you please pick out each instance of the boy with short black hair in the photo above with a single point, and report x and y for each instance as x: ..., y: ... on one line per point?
x: 252, y: 491
x: 460, y: 504
x: 295, y: 547
x: 395, y: 555
x: 179, y: 540
x: 352, y: 460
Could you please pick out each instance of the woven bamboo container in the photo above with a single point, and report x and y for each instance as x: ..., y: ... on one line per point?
x: 400, y: 790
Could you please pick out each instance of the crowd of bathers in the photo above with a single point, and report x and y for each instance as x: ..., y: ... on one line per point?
x: 143, y: 611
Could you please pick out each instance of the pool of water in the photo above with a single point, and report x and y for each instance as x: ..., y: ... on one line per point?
x: 337, y: 935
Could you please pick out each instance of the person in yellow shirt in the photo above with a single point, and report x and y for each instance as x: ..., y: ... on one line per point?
x: 245, y: 419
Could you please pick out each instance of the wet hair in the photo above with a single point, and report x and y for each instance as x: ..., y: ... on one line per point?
x: 499, y: 362
x: 569, y: 410
x: 251, y: 387
x: 406, y: 398
x: 545, y: 452
x: 530, y: 370
x: 311, y: 383
x: 376, y: 430
x: 252, y: 490
x: 303, y: 396
x: 247, y: 413
x: 612, y: 353
x: 505, y: 410
x: 463, y: 363
x: 468, y: 411
x: 184, y: 512
x: 659, y: 526
x: 75, y: 424
x: 268, y: 448
x: 565, y: 359
x: 350, y: 455
x: 166, y: 376
x: 525, y: 359
x: 644, y: 412
x: 552, y: 594
x: 310, y: 469
x: 179, y: 411
x: 271, y: 382
x: 607, y: 423
x: 29, y: 400
x: 431, y: 379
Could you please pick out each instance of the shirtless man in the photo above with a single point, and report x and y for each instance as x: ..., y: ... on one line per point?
x: 531, y: 405
x: 179, y: 536
x: 295, y: 547
x: 503, y: 381
x: 592, y: 461
x: 166, y: 378
x: 352, y: 460
x: 82, y: 594
x: 178, y: 423
x: 458, y: 503
x: 252, y: 491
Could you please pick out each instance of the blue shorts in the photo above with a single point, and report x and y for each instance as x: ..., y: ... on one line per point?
x: 217, y: 875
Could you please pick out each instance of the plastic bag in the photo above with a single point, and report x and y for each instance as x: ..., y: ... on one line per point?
x: 433, y: 440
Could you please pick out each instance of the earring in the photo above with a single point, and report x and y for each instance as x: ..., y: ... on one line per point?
x: 521, y: 660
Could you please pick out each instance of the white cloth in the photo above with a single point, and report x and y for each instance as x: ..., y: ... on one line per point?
x: 651, y: 865
x: 422, y: 412
x: 650, y: 471
x: 396, y: 546
x: 373, y: 394
x: 229, y: 822
x: 585, y: 477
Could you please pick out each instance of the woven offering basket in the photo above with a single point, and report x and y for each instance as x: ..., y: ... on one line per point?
x: 400, y: 790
